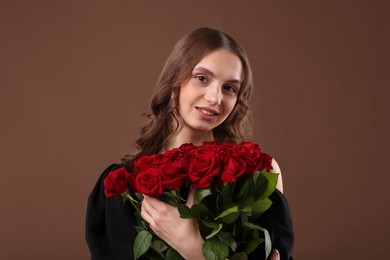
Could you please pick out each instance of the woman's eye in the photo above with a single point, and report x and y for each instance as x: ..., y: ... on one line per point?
x: 230, y: 88
x: 201, y: 78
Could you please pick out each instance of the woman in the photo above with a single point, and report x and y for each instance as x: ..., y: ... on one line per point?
x: 202, y: 95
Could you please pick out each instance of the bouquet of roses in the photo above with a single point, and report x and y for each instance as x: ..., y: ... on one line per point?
x: 232, y: 183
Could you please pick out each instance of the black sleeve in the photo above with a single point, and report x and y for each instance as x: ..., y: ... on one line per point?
x: 277, y: 221
x: 109, y: 224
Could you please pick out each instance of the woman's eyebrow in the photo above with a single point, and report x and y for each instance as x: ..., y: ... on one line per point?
x: 237, y: 81
x: 205, y: 70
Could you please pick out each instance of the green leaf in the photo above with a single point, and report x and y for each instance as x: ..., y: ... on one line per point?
x: 267, y: 239
x: 201, y: 194
x: 228, y: 211
x: 138, y: 228
x: 251, y: 226
x: 247, y: 204
x: 265, y: 184
x: 229, y: 215
x: 170, y: 198
x: 184, y: 211
x: 199, y: 210
x: 252, y: 245
x: 142, y: 243
x: 244, y: 187
x: 239, y: 256
x: 260, y: 186
x: 152, y: 255
x: 228, y: 240
x: 176, y: 194
x: 229, y: 219
x: 214, y: 249
x: 260, y: 207
x: 215, y: 231
x: 209, y: 223
x: 173, y: 255
x: 139, y: 196
x: 159, y: 246
x: 255, y: 242
x: 255, y: 176
x: 226, y: 194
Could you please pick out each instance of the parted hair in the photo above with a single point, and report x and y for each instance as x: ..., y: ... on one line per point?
x: 164, y: 119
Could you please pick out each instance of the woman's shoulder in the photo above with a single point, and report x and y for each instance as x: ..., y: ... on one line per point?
x: 276, y: 169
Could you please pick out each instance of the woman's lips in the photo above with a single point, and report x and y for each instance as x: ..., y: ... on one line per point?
x: 207, y: 113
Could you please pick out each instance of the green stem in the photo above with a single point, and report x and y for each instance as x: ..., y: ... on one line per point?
x: 134, y: 203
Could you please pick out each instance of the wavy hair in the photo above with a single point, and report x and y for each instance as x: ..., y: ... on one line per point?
x: 164, y: 119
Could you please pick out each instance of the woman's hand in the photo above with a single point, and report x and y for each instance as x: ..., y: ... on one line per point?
x: 181, y: 234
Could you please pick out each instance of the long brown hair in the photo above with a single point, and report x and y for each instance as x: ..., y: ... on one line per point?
x: 164, y: 119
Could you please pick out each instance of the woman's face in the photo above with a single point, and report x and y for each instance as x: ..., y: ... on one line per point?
x: 208, y: 97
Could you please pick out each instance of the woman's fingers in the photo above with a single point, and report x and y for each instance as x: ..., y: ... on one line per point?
x: 191, y: 197
x: 147, y: 211
x: 275, y: 255
x: 157, y: 207
x: 151, y: 202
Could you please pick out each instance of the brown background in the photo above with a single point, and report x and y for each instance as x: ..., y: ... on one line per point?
x: 76, y: 75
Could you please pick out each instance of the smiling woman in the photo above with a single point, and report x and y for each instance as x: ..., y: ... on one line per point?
x: 201, y: 100
x: 208, y: 97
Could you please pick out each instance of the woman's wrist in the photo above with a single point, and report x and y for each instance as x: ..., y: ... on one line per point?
x: 194, y: 250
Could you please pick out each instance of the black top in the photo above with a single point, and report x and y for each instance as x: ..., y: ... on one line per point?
x: 110, y: 233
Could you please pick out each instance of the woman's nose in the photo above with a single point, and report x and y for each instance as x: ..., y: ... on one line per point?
x: 213, y: 95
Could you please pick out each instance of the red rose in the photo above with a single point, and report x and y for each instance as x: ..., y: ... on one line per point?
x: 161, y: 159
x: 224, y: 150
x: 184, y: 148
x: 177, y: 154
x: 170, y: 155
x: 266, y: 162
x: 217, y: 146
x: 204, y: 167
x: 149, y: 182
x: 251, y: 154
x: 234, y: 167
x: 131, y: 180
x: 173, y: 174
x: 143, y: 163
x: 212, y: 144
x: 115, y: 183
